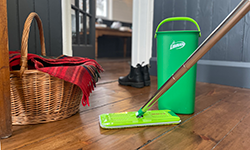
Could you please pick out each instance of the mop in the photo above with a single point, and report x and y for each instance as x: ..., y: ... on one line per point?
x: 143, y: 117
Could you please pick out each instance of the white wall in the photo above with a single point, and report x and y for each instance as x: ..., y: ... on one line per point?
x: 119, y: 10
x: 122, y: 10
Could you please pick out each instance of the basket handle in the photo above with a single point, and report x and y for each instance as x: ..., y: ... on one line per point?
x: 178, y: 19
x: 25, y: 38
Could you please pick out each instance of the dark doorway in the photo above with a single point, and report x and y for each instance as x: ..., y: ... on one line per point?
x: 83, y: 28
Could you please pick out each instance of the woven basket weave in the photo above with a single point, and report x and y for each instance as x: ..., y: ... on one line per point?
x: 37, y: 97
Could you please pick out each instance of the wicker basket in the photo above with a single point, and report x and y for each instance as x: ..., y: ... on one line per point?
x: 37, y: 97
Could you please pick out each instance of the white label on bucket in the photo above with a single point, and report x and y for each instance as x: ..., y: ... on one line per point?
x: 177, y: 45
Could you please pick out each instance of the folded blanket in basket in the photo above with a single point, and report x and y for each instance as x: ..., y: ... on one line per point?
x: 83, y: 72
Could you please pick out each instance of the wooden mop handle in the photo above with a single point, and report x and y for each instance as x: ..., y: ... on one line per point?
x: 234, y: 17
x: 25, y: 38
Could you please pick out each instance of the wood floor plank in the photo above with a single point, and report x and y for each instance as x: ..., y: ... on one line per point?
x: 206, y: 129
x: 146, y: 134
x: 73, y: 122
x: 215, y: 94
x: 111, y: 139
x: 82, y: 131
x: 114, y: 68
x: 238, y: 138
x: 113, y: 93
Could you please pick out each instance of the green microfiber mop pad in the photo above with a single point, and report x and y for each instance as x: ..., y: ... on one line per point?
x: 130, y: 119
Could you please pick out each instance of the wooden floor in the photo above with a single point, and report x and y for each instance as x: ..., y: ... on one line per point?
x: 221, y: 120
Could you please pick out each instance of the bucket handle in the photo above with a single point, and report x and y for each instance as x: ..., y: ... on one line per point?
x: 179, y: 19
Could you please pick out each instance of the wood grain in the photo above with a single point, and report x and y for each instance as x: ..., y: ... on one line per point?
x: 238, y: 138
x: 116, y: 104
x: 90, y: 136
x: 205, y: 130
x: 218, y: 111
x: 80, y: 124
x: 5, y: 108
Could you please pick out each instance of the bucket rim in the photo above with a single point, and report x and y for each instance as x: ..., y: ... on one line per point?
x: 178, y: 31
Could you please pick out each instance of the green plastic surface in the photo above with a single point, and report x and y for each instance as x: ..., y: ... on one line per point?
x: 129, y: 119
x: 178, y: 19
x: 173, y: 49
x: 140, y: 113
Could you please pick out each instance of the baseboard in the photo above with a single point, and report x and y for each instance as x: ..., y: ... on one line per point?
x: 219, y: 72
x: 153, y: 66
x: 224, y: 72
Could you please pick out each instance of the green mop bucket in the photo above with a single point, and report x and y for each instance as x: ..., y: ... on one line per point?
x: 173, y: 49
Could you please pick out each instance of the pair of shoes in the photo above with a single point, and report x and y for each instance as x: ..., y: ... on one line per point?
x: 138, y: 77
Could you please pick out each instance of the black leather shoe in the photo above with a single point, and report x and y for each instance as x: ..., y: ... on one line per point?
x: 146, y: 76
x: 134, y: 78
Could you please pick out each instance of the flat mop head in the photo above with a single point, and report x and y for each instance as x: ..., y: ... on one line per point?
x: 129, y: 119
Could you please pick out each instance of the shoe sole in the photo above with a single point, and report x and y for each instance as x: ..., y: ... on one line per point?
x: 147, y: 83
x: 136, y: 85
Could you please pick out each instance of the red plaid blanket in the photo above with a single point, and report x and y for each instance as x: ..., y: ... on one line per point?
x: 83, y: 72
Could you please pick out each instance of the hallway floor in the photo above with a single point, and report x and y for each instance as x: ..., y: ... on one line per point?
x: 221, y: 120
